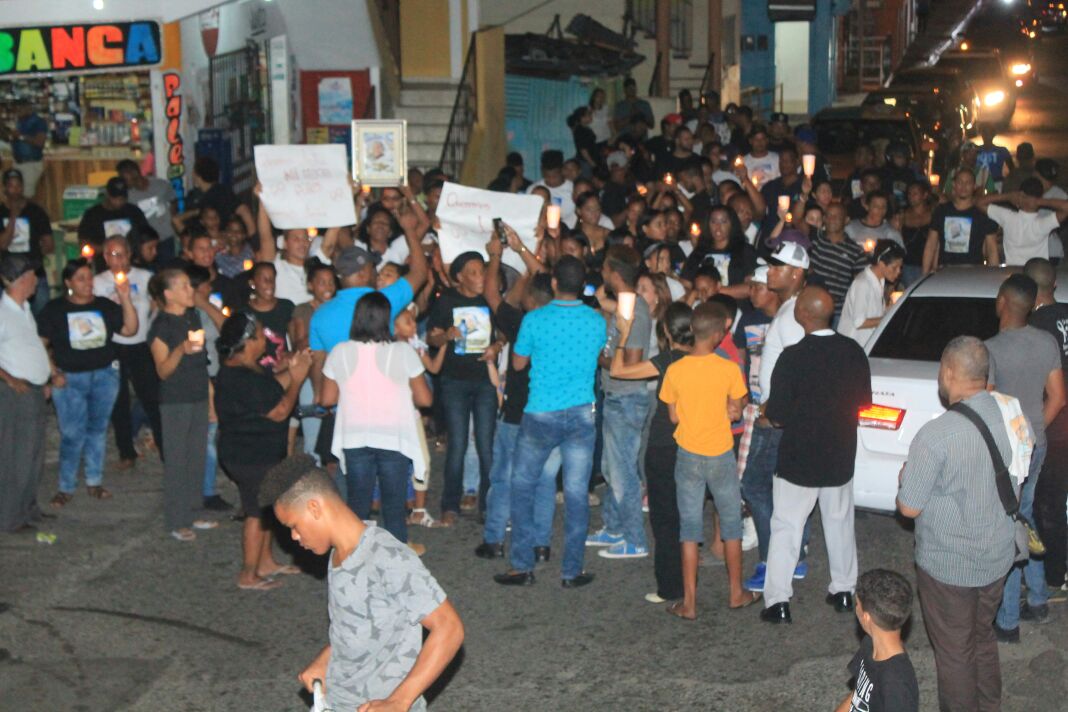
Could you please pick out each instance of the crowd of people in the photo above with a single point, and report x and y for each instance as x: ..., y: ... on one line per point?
x: 690, y: 328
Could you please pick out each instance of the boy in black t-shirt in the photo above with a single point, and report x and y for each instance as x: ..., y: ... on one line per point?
x: 884, y: 678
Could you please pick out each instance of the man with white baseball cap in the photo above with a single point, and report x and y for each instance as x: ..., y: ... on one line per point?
x: 786, y: 272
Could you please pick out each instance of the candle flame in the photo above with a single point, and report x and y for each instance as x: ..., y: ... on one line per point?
x: 88, y: 251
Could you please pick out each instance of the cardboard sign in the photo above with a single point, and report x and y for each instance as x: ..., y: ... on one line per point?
x: 65, y: 48
x: 466, y: 216
x: 305, y: 186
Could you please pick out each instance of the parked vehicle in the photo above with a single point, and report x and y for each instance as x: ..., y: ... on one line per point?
x: 840, y: 130
x: 985, y: 71
x: 936, y: 113
x: 943, y: 80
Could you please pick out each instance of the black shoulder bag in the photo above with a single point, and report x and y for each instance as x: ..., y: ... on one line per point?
x: 1026, y: 538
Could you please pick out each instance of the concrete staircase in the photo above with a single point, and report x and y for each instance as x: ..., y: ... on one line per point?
x: 427, y: 107
x: 947, y: 18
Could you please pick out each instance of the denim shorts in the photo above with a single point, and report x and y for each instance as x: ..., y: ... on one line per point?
x: 720, y: 475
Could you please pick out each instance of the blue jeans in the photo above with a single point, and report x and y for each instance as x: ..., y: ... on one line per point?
x: 624, y: 419
x: 719, y: 475
x: 471, y: 471
x: 1034, y: 572
x: 757, y: 479
x: 309, y: 427
x: 572, y: 430
x: 390, y: 470
x: 499, y: 498
x: 83, y: 409
x: 462, y: 399
x: 211, y: 462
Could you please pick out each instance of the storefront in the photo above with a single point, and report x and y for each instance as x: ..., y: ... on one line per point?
x: 98, y: 87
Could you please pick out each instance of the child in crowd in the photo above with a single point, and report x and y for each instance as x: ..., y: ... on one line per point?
x: 380, y: 598
x: 405, y: 329
x: 236, y: 252
x: 704, y: 393
x: 884, y: 678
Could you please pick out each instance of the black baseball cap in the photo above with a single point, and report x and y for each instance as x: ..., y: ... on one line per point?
x: 116, y: 187
x: 780, y: 117
x: 353, y: 259
x: 12, y: 173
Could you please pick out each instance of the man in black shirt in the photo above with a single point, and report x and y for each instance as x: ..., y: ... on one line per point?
x: 961, y: 233
x: 461, y: 322
x: 25, y: 230
x: 112, y: 216
x: 531, y: 291
x: 817, y: 388
x: 1052, y: 486
x: 787, y: 184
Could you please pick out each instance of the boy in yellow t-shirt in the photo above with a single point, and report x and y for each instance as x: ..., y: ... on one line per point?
x: 704, y: 393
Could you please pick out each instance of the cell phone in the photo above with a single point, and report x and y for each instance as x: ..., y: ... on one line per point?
x: 589, y: 290
x: 498, y: 227
x: 216, y: 300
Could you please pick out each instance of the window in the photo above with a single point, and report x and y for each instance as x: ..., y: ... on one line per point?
x: 921, y: 328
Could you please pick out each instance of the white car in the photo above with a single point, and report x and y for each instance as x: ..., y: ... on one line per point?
x: 904, y: 352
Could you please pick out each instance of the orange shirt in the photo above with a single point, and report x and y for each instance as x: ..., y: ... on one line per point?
x: 699, y: 387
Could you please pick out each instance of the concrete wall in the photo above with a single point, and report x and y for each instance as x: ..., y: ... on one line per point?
x: 425, y: 39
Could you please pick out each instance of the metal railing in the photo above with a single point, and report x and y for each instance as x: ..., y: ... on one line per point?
x: 654, y: 83
x: 706, y: 78
x: 642, y: 14
x: 464, y: 115
x: 874, y: 61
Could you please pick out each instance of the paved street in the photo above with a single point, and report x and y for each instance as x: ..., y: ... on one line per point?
x: 118, y: 616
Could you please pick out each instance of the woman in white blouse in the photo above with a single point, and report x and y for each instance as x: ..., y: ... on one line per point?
x: 866, y: 302
x: 377, y: 383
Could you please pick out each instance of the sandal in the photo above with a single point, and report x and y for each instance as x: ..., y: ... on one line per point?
x: 448, y: 519
x: 98, y: 492
x: 675, y: 609
x: 282, y: 570
x: 263, y: 585
x: 754, y: 596
x: 421, y: 518
x: 61, y: 499
x: 184, y: 534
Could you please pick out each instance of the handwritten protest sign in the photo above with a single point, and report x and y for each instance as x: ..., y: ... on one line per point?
x: 466, y: 216
x: 305, y: 186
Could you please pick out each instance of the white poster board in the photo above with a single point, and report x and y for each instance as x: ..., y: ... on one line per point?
x: 305, y: 186
x: 466, y: 216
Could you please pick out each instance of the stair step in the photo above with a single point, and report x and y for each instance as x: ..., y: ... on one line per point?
x: 424, y: 154
x: 427, y: 97
x: 428, y: 133
x: 424, y: 115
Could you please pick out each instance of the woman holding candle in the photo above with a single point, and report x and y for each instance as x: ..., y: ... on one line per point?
x: 177, y: 342
x: 233, y: 258
x: 591, y: 221
x: 77, y: 330
x: 865, y: 302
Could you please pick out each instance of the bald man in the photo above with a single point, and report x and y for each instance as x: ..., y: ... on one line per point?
x: 1025, y: 363
x: 819, y: 385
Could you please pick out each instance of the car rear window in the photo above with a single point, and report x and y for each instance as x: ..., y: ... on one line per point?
x: 921, y: 328
x: 838, y: 137
x: 985, y: 67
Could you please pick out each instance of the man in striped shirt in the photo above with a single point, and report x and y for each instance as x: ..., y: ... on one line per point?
x: 836, y: 259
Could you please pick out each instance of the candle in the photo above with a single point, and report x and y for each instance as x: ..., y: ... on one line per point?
x: 808, y: 164
x: 120, y: 277
x: 88, y: 251
x: 789, y: 217
x: 313, y: 231
x: 552, y: 216
x: 197, y: 337
x: 756, y: 181
x: 226, y: 311
x: 626, y: 302
x: 869, y: 245
x: 894, y: 296
x: 695, y: 229
x: 247, y: 264
x: 642, y: 190
x: 668, y: 179
x: 365, y: 189
x: 935, y: 180
x: 738, y: 161
x: 784, y: 202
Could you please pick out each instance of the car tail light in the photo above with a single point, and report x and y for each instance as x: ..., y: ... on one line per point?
x: 882, y: 417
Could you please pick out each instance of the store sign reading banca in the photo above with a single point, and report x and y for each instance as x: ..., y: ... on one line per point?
x: 67, y: 48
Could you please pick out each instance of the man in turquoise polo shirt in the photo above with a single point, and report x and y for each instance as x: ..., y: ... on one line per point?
x: 561, y: 341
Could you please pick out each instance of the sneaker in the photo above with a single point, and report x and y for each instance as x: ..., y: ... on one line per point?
x: 602, y: 537
x: 749, y: 535
x: 215, y: 503
x: 801, y: 570
x: 654, y: 597
x: 1034, y: 614
x: 1011, y: 637
x: 756, y: 581
x: 624, y: 550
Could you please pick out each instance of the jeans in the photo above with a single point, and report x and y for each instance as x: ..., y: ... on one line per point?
x: 211, y: 462
x: 660, y: 461
x: 719, y: 474
x: 367, y: 466
x: 472, y: 479
x: 624, y: 418
x: 309, y: 426
x: 757, y: 486
x: 462, y: 399
x: 572, y: 430
x: 499, y: 498
x: 1033, y: 571
x: 83, y: 407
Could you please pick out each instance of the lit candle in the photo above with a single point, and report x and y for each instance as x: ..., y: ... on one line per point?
x: 197, y: 337
x: 226, y: 311
x: 120, y: 277
x: 808, y: 164
x: 784, y: 202
x: 668, y: 179
x: 247, y: 264
x: 935, y: 180
x: 313, y: 231
x: 789, y: 217
x: 365, y: 189
x: 695, y: 229
x: 626, y: 302
x: 894, y: 296
x: 738, y: 161
x: 642, y: 190
x: 88, y: 251
x: 869, y: 245
x: 756, y: 181
x: 552, y: 216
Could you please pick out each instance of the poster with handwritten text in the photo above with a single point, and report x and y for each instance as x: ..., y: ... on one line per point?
x: 466, y: 216
x: 305, y: 186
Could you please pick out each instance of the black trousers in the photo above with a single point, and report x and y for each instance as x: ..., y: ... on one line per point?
x: 1050, y: 494
x: 136, y: 368
x: 664, y: 518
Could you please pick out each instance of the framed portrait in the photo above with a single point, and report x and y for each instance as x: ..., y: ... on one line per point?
x: 380, y: 152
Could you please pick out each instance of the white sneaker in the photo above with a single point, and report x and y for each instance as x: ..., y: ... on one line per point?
x: 654, y: 598
x: 749, y: 535
x: 205, y: 524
